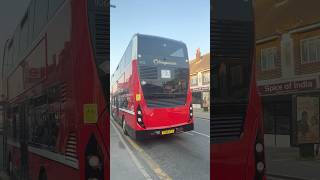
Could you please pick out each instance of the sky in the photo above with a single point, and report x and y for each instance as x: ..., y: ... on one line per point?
x: 183, y: 20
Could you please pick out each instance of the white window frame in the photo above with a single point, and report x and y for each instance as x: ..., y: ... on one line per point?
x: 191, y: 77
x: 309, y: 61
x: 202, y: 75
x: 269, y: 65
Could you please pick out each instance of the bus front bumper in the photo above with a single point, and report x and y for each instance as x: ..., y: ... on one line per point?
x: 160, y: 132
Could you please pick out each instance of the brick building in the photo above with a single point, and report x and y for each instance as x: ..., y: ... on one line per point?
x: 287, y: 63
x: 200, y: 80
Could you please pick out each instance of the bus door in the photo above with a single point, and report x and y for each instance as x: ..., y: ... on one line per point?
x: 23, y: 141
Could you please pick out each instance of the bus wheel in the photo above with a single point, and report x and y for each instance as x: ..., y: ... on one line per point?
x: 42, y: 174
x: 124, y: 126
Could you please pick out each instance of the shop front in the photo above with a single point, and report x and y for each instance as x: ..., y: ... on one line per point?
x: 201, y: 97
x: 281, y: 109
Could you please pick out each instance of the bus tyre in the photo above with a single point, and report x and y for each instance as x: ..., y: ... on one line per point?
x: 124, y: 127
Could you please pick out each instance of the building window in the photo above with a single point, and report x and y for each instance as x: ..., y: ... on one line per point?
x: 268, y: 58
x: 310, y: 50
x: 194, y: 80
x: 205, y: 77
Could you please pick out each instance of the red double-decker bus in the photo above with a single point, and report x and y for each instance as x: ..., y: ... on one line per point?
x: 237, y: 147
x: 150, y: 91
x: 54, y: 78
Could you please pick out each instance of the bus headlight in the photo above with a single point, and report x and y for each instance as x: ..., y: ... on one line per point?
x: 94, y: 161
x: 191, y: 111
x: 260, y: 166
x: 259, y: 156
x: 140, y: 117
x: 259, y: 148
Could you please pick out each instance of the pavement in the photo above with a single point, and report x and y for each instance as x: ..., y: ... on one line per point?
x: 284, y: 163
x: 124, y: 162
x: 184, y: 156
x: 201, y: 114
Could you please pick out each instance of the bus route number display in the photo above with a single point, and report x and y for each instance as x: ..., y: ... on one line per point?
x: 165, y: 74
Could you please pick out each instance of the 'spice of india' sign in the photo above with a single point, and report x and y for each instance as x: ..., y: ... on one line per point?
x: 288, y: 86
x: 198, y: 89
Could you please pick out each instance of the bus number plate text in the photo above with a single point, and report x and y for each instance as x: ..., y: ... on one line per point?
x: 169, y: 131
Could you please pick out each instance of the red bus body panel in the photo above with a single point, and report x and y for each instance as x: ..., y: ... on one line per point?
x: 75, y: 68
x: 236, y: 159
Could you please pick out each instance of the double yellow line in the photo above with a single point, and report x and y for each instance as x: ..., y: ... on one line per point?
x: 151, y: 163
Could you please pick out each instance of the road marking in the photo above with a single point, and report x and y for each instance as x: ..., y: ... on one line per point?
x: 134, y: 158
x: 201, y: 134
x: 201, y: 118
x: 189, y: 133
x: 152, y: 164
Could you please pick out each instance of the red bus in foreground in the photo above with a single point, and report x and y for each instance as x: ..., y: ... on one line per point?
x: 150, y: 91
x: 237, y: 146
x: 54, y: 78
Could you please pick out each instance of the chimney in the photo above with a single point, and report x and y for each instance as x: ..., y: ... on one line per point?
x: 198, y: 54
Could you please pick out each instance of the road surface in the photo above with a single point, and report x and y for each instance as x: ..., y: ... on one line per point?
x: 183, y: 156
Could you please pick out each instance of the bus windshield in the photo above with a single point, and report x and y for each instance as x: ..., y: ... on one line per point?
x: 163, y: 70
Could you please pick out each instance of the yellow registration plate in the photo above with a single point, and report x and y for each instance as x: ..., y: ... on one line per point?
x: 169, y: 131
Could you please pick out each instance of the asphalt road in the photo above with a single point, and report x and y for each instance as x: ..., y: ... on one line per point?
x: 183, y: 156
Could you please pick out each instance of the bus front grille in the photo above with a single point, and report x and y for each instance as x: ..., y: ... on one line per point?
x: 101, y: 36
x: 231, y: 39
x: 225, y: 128
x: 227, y: 122
x: 148, y: 72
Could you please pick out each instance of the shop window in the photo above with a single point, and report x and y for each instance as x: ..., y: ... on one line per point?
x: 206, y: 99
x: 196, y: 98
x: 268, y: 119
x: 283, y: 116
x: 276, y: 118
